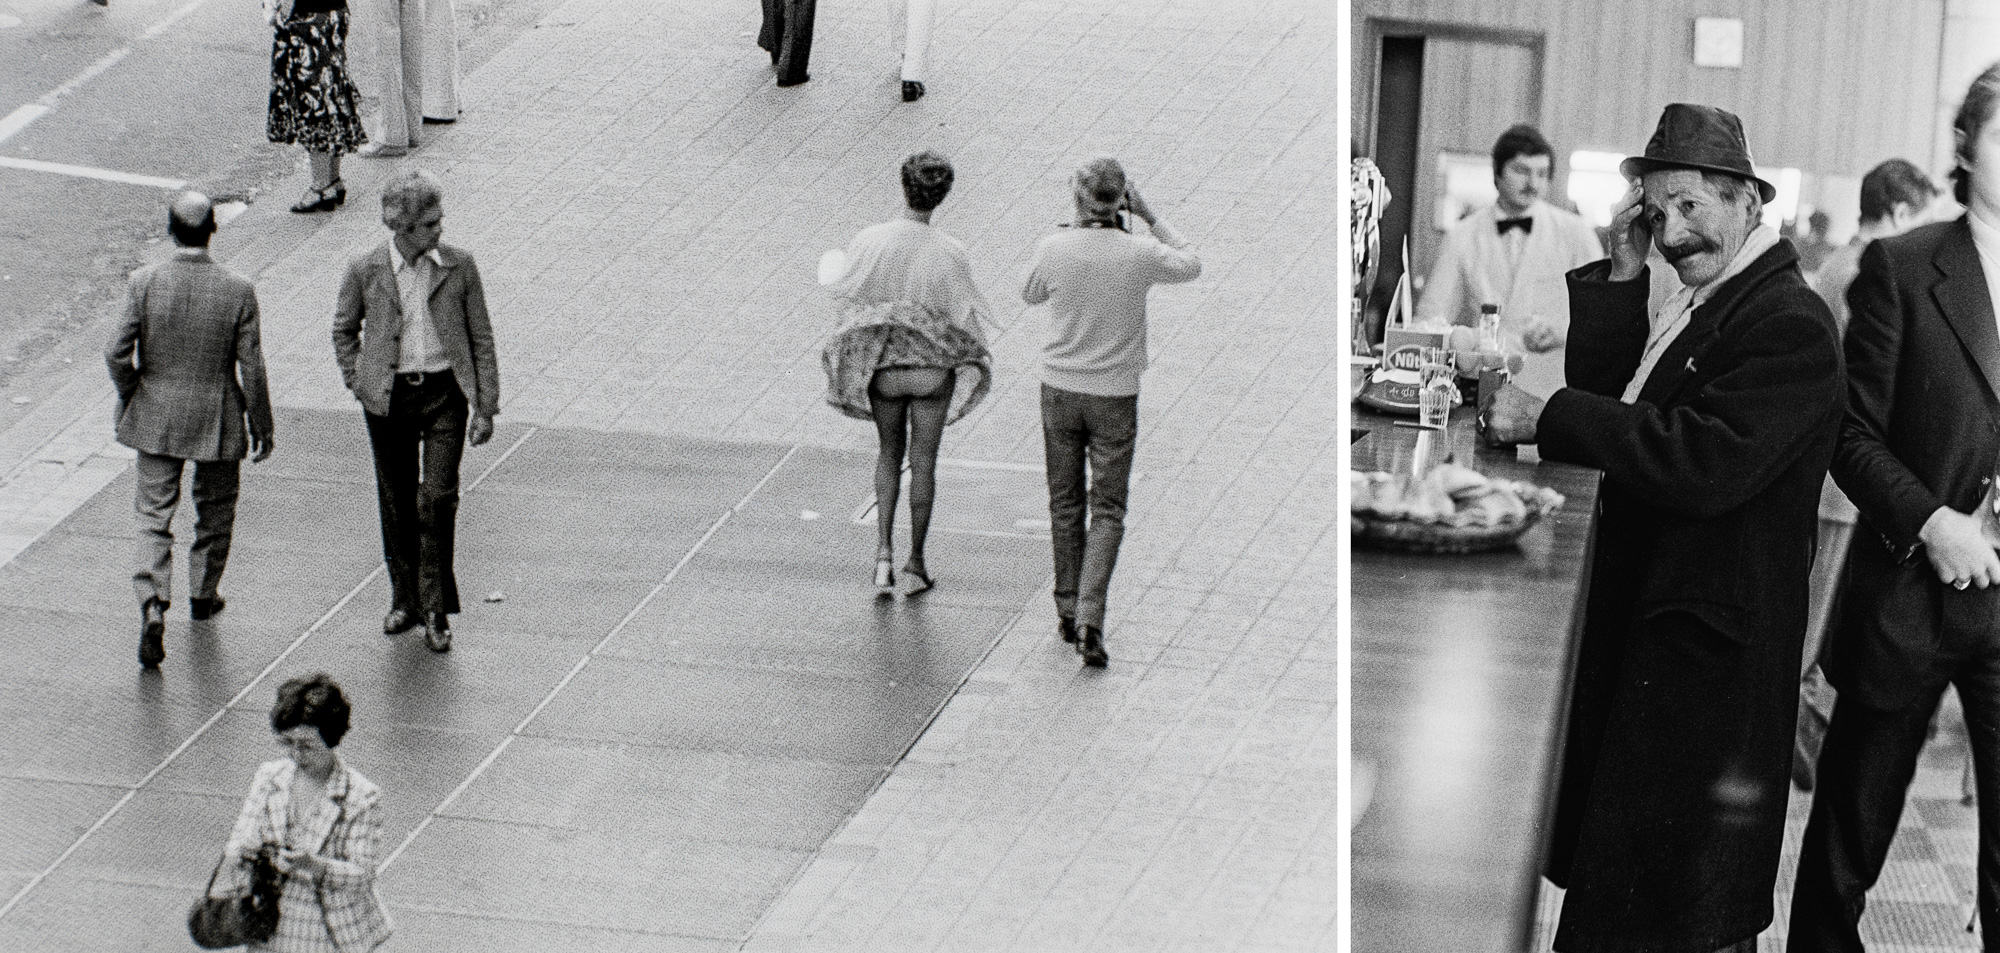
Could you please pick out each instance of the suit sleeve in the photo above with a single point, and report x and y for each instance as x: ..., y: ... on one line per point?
x: 124, y: 345
x: 348, y: 312
x: 1607, y: 329
x: 479, y: 334
x: 250, y: 366
x: 1881, y: 486
x: 1729, y: 442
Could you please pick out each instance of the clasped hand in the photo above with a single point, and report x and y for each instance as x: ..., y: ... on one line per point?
x: 1958, y: 550
x: 300, y: 863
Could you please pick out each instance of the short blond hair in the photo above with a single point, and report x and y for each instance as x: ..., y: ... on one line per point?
x: 1100, y: 184
x: 408, y: 195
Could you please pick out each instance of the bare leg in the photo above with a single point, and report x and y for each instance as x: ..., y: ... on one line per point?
x: 926, y: 433
x: 324, y: 168
x: 890, y: 414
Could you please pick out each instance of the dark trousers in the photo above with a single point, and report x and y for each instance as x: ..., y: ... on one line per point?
x: 417, y: 447
x: 1864, y: 773
x: 788, y: 35
x: 157, y: 493
x: 1103, y: 430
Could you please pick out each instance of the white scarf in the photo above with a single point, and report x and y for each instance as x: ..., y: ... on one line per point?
x: 1673, y: 315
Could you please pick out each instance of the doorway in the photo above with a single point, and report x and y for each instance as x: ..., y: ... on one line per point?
x: 1440, y: 94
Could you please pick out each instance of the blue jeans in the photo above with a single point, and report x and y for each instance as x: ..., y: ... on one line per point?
x: 1076, y: 427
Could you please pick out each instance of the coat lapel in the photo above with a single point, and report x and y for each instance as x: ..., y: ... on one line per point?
x: 385, y: 281
x: 279, y: 803
x: 440, y: 270
x: 1683, y: 358
x: 1964, y: 300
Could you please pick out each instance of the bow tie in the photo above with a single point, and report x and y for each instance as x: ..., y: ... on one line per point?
x: 1524, y: 223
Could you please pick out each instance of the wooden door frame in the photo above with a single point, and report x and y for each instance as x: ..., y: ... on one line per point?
x: 1367, y: 56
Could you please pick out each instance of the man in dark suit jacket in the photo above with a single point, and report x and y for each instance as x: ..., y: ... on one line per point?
x: 416, y: 349
x: 188, y: 363
x: 1918, y: 455
x: 1713, y: 421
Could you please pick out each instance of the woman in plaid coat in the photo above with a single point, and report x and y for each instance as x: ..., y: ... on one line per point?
x: 318, y: 814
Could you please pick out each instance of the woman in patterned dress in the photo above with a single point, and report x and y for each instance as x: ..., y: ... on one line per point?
x: 910, y: 353
x: 319, y: 817
x: 313, y: 102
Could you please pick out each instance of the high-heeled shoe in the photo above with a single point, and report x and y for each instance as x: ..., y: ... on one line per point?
x: 923, y: 579
x: 885, y: 577
x: 912, y: 91
x: 321, y: 200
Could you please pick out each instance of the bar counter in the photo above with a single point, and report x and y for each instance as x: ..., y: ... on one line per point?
x: 1461, y: 673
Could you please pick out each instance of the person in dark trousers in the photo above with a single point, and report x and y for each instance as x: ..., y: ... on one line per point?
x: 1094, y: 278
x: 188, y: 364
x: 415, y: 347
x: 1713, y: 419
x: 1918, y: 455
x: 787, y: 35
x: 1895, y: 197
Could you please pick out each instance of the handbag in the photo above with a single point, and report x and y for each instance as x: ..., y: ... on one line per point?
x: 218, y: 923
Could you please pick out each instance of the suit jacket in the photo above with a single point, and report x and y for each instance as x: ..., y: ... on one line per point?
x: 1676, y: 767
x: 347, y: 837
x: 1922, y: 431
x: 188, y: 361
x: 1472, y: 270
x: 368, y: 327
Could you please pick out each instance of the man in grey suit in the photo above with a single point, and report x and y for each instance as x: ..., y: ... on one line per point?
x: 416, y: 349
x: 188, y: 363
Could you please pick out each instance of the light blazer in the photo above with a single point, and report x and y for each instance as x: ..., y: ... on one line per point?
x: 368, y: 327
x: 1472, y: 270
x: 348, y: 838
x: 1922, y: 431
x: 190, y: 329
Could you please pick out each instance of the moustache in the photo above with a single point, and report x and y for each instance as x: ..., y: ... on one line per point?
x: 1677, y: 252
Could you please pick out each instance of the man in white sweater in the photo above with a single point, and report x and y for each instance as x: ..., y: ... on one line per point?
x: 1094, y: 278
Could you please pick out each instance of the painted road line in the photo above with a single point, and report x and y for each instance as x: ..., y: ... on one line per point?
x: 20, y: 118
x: 86, y: 172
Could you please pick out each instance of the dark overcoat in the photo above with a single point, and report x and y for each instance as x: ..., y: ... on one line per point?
x: 1922, y: 431
x: 1677, y: 759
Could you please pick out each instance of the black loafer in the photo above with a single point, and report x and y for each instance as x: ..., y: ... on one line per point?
x: 1091, y: 644
x: 201, y: 610
x: 912, y: 91
x: 398, y: 620
x: 152, y: 632
x: 437, y: 633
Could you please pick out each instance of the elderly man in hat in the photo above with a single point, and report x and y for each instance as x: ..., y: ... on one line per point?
x: 1921, y: 608
x: 1713, y: 420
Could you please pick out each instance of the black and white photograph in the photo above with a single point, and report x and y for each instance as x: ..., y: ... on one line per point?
x: 1673, y: 609
x: 672, y: 475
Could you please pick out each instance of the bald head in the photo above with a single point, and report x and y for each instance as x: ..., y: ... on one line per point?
x: 191, y: 219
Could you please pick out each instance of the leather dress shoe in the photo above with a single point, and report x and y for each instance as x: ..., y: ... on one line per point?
x: 201, y: 610
x: 152, y: 629
x: 1090, y: 642
x: 398, y: 620
x: 912, y: 91
x: 437, y: 632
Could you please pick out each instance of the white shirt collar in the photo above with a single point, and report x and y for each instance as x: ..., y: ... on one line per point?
x: 1497, y: 214
x: 396, y: 258
x: 1985, y: 234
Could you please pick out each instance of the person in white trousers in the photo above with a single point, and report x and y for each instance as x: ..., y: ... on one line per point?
x: 399, y: 53
x: 910, y: 29
x: 440, y: 95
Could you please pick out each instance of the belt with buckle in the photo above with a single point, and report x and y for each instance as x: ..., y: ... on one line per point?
x: 416, y: 378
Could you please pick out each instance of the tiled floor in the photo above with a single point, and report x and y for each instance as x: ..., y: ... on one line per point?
x: 646, y: 209
x: 1925, y: 898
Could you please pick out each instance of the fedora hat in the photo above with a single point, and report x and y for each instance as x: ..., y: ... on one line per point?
x: 1699, y: 137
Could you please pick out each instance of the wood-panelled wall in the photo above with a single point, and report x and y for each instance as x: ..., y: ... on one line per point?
x: 1826, y: 86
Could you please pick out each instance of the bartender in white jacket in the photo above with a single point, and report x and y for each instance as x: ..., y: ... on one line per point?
x: 1514, y: 254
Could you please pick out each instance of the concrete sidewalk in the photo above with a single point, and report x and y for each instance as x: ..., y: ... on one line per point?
x: 647, y: 209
